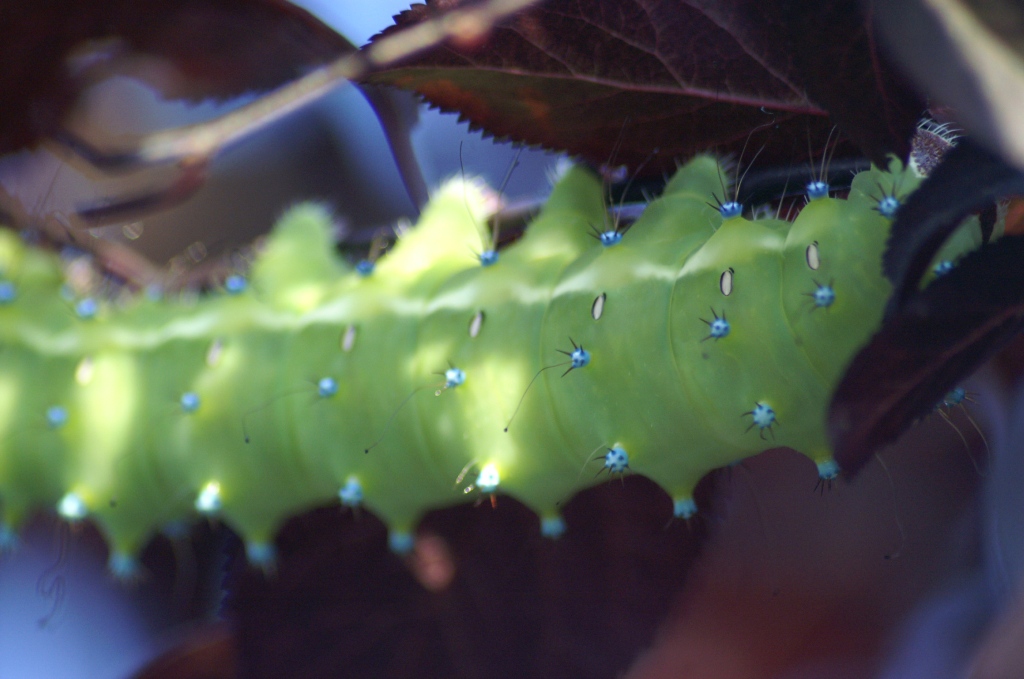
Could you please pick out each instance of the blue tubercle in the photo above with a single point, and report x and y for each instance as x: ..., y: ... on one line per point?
x: 189, y: 402
x: 488, y: 479
x: 327, y: 387
x: 488, y: 257
x: 401, y: 542
x: 56, y: 417
x: 364, y: 267
x: 828, y: 470
x: 684, y: 508
x: 616, y: 460
x: 154, y: 292
x: 9, y: 539
x: 262, y: 555
x: 730, y: 209
x: 888, y: 206
x: 943, y: 267
x: 580, y: 357
x: 209, y: 501
x: 351, y: 494
x: 124, y: 567
x: 955, y: 397
x: 8, y: 292
x: 718, y: 327
x: 86, y: 308
x: 817, y: 189
x: 824, y: 296
x: 176, y: 530
x: 763, y: 417
x: 235, y: 284
x: 72, y: 507
x: 610, y: 238
x: 454, y: 377
x: 552, y: 527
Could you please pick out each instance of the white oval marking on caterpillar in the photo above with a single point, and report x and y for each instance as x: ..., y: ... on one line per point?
x: 348, y: 339
x: 476, y: 323
x: 725, y: 281
x: 84, y: 371
x: 597, y: 308
x: 813, y: 260
x: 214, y: 353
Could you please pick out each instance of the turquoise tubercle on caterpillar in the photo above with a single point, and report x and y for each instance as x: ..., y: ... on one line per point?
x: 254, y: 405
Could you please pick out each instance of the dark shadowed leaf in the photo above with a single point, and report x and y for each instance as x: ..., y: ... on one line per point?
x: 969, y: 56
x: 216, y: 49
x: 969, y: 179
x: 833, y: 48
x: 513, y: 604
x: 680, y: 76
x: 926, y: 347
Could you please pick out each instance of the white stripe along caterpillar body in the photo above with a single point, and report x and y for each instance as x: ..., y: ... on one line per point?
x: 710, y: 339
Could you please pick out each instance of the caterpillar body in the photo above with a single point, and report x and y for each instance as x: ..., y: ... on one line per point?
x: 691, y: 342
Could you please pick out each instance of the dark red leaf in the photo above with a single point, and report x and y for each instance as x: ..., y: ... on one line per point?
x: 933, y: 341
x: 219, y: 48
x: 834, y: 49
x: 680, y: 76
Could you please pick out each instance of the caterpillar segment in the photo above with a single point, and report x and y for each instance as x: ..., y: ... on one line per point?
x: 402, y: 386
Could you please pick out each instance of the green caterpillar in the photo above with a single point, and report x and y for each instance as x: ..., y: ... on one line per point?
x: 691, y: 341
